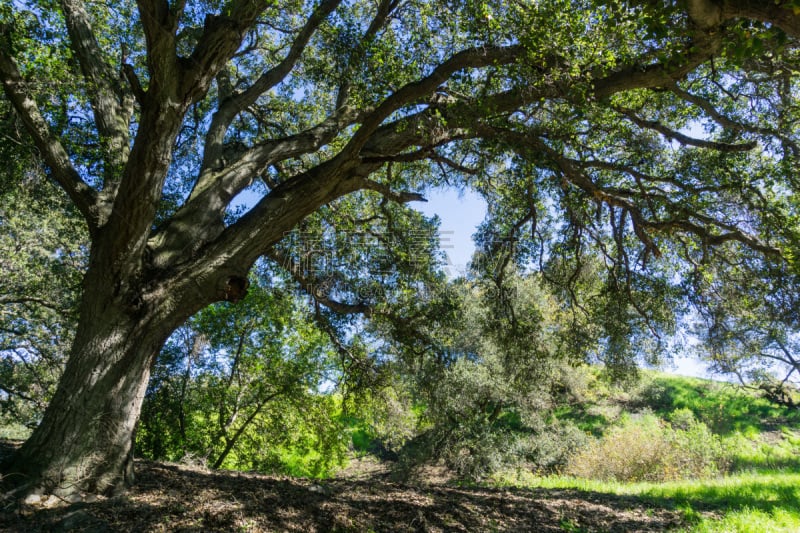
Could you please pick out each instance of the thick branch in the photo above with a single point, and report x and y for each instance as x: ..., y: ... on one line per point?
x: 460, y: 114
x: 83, y: 196
x: 471, y: 58
x: 731, y: 234
x: 200, y: 219
x: 378, y: 142
x: 160, y: 24
x: 104, y: 89
x: 236, y: 104
x: 240, y: 244
x: 232, y: 176
x: 709, y: 15
x: 222, y: 36
x: 704, y: 13
x: 636, y: 76
x: 266, y: 223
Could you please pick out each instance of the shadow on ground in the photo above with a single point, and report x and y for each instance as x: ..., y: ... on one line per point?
x: 177, y: 498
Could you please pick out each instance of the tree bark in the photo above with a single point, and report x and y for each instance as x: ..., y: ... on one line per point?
x: 85, y: 440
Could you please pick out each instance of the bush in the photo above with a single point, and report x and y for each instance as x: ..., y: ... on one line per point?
x: 471, y: 451
x: 550, y: 449
x: 476, y: 451
x: 697, y: 452
x: 649, y: 449
x: 682, y: 418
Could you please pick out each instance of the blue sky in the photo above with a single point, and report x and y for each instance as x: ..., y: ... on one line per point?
x: 460, y: 214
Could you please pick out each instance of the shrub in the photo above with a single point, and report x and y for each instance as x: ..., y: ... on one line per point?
x: 472, y: 451
x: 549, y: 449
x: 682, y: 418
x: 649, y: 449
x: 696, y: 452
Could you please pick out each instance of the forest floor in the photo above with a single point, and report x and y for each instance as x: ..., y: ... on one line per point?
x: 174, y: 497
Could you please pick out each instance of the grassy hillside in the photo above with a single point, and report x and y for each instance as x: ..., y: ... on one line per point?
x: 754, y: 484
x: 724, y: 407
x: 755, y: 433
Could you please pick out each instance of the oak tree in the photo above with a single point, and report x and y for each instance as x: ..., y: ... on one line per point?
x: 654, y: 136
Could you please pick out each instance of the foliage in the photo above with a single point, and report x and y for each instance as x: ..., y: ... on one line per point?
x: 648, y: 449
x: 239, y: 386
x: 42, y: 255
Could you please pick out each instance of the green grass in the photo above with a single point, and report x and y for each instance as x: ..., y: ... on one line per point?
x: 723, y: 407
x: 761, y: 440
x: 779, y: 451
x: 745, y: 503
x: 362, y: 439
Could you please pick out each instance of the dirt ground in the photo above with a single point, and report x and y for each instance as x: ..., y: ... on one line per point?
x: 174, y: 498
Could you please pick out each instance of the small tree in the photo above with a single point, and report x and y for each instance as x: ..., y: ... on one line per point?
x: 236, y: 379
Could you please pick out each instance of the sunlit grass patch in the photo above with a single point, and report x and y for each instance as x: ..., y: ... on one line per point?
x: 746, y: 502
x: 749, y: 520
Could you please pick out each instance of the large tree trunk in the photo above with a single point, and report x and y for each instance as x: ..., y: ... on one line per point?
x: 85, y: 440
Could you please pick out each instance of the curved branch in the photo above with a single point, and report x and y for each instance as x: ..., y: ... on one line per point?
x: 232, y: 176
x: 312, y: 286
x: 780, y: 14
x: 54, y: 154
x: 662, y: 74
x: 709, y: 15
x: 684, y: 139
x: 727, y: 122
x: 234, y: 105
x: 386, y: 191
x: 374, y: 142
x: 732, y: 234
x: 238, y: 245
x: 641, y: 224
x: 471, y: 58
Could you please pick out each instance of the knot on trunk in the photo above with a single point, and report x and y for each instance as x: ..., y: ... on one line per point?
x: 235, y: 288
